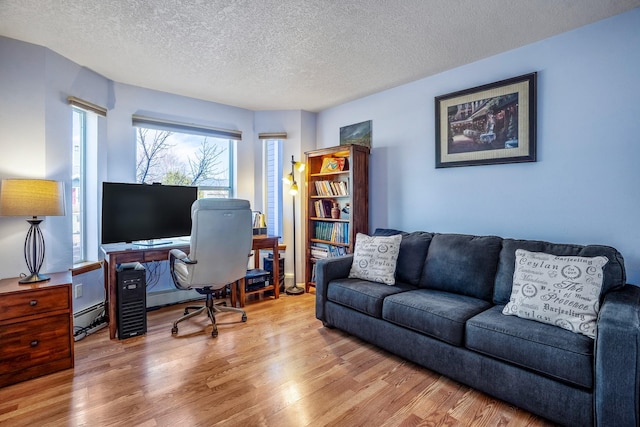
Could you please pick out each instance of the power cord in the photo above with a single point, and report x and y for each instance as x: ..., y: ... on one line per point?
x: 97, y: 324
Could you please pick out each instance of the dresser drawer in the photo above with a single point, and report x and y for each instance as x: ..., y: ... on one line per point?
x: 20, y: 304
x: 34, y: 342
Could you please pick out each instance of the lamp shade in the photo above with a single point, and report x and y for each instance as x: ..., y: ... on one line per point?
x: 31, y: 197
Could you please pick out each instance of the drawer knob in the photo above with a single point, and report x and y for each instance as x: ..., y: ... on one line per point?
x: 33, y: 302
x: 34, y: 343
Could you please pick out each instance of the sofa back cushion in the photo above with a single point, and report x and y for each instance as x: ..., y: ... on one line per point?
x: 413, y: 252
x: 614, y: 272
x: 462, y: 264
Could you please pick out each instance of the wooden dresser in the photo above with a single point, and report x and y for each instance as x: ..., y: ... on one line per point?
x: 36, y: 328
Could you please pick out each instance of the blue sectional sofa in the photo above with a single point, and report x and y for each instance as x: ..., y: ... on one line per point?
x: 445, y: 313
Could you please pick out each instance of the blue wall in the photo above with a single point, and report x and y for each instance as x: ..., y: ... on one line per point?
x: 583, y: 189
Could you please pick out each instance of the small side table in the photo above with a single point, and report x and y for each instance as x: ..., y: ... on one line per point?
x: 36, y: 328
x: 259, y: 242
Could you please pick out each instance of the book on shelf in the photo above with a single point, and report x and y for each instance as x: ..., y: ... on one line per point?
x: 332, y: 164
x: 313, y: 272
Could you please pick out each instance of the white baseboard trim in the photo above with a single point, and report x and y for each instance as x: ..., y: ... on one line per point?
x: 83, y: 318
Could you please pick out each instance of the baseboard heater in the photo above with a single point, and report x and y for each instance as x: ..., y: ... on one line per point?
x: 83, y: 318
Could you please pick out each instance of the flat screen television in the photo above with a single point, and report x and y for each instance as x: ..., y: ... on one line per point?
x: 144, y: 213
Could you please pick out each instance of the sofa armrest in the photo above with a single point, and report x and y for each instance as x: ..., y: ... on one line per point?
x: 617, y: 359
x: 327, y: 270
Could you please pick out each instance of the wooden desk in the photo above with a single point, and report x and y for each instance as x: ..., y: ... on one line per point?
x: 118, y: 253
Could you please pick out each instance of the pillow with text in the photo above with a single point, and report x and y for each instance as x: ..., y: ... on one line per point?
x: 559, y: 290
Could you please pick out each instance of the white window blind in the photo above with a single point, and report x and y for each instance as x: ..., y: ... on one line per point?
x: 152, y: 123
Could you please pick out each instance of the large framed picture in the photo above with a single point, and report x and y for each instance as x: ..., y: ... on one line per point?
x: 489, y: 124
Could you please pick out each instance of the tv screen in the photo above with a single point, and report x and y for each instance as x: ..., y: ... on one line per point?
x: 143, y: 212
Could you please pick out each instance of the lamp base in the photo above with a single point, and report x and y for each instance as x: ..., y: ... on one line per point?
x: 34, y: 278
x: 294, y: 290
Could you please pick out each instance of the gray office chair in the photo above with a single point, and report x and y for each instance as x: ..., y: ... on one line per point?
x: 221, y: 235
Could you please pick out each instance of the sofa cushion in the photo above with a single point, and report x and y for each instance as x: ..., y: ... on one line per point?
x: 363, y: 295
x: 375, y: 258
x: 462, y: 264
x: 614, y: 272
x: 558, y: 290
x: 543, y: 348
x: 436, y: 313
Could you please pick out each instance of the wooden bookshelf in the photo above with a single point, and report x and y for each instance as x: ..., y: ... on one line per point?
x: 327, y: 235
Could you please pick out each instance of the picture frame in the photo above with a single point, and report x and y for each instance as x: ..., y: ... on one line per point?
x: 358, y: 133
x: 489, y: 124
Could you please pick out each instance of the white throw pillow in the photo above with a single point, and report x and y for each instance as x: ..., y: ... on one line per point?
x: 559, y: 290
x: 375, y: 258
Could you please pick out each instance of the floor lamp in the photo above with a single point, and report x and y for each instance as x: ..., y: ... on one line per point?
x: 34, y: 198
x: 293, y: 190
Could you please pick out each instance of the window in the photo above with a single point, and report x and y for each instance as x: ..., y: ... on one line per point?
x: 79, y: 139
x: 179, y: 154
x: 86, y: 128
x: 84, y: 181
x: 273, y: 185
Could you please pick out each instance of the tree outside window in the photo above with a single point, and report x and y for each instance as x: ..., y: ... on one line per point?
x: 177, y: 158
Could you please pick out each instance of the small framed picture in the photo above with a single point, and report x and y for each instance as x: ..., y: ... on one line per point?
x: 359, y: 134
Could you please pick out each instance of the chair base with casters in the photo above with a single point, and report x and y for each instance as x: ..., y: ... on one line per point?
x: 211, y: 308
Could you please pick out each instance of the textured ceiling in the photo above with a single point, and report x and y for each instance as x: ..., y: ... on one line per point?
x: 287, y: 54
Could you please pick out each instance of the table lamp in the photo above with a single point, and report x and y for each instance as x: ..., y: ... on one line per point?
x: 32, y: 197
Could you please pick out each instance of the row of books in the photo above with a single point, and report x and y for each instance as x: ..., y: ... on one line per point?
x: 332, y: 188
x: 259, y: 219
x: 323, y: 208
x: 332, y: 231
x: 324, y: 250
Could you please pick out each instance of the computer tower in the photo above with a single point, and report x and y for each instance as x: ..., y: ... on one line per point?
x: 131, y: 300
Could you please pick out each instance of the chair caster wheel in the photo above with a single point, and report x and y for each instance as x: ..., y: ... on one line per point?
x: 214, y: 333
x: 174, y: 330
x: 244, y: 317
x: 186, y: 311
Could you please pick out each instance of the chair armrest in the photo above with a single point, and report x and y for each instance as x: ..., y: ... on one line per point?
x: 617, y: 359
x: 177, y: 267
x: 180, y: 255
x: 327, y: 270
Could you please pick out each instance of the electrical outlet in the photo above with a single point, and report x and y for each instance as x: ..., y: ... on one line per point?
x: 78, y: 290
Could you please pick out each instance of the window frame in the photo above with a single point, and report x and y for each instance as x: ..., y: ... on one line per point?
x: 80, y: 194
x: 230, y: 136
x: 273, y: 176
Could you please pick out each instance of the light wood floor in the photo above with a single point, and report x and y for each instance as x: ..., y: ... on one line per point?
x: 281, y: 368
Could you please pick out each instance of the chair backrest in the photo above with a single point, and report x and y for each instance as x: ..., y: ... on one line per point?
x: 221, y: 240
